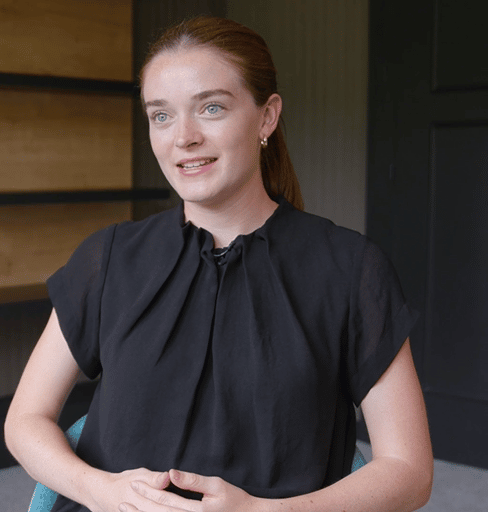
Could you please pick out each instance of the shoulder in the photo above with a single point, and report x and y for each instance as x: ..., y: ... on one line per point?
x: 128, y: 234
x: 139, y: 249
x: 164, y: 224
x: 127, y: 241
x: 303, y: 232
x: 151, y: 236
x: 310, y: 224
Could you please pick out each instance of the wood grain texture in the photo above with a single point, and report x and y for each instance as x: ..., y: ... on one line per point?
x: 36, y: 240
x: 64, y: 141
x: 74, y: 38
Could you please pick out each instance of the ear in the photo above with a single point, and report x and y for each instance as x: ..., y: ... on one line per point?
x: 271, y: 115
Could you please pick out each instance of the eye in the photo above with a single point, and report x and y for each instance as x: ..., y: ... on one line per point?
x: 213, y: 109
x: 159, y: 117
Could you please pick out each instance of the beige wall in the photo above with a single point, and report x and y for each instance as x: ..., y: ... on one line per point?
x: 320, y: 48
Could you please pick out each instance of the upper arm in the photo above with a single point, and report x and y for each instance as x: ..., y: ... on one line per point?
x: 395, y: 415
x: 49, y: 376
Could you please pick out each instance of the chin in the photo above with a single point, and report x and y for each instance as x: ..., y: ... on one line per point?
x: 207, y: 200
x: 211, y: 196
x: 197, y: 197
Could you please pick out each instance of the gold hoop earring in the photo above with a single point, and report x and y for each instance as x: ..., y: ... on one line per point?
x: 264, y: 142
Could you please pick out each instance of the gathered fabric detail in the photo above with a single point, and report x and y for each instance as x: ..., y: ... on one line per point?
x: 242, y: 362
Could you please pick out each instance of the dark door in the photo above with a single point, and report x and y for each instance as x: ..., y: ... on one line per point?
x: 428, y: 199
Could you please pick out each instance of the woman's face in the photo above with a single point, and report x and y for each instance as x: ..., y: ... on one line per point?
x: 204, y: 126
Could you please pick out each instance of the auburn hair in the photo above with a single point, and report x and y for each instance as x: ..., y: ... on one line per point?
x: 248, y: 51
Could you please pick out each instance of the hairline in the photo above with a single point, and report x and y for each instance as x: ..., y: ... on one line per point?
x: 187, y: 43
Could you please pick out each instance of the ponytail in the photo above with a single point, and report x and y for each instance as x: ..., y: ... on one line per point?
x: 248, y: 51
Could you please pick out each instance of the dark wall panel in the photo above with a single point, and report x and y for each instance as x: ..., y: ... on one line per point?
x: 457, y: 329
x: 435, y: 214
x: 460, y: 44
x: 451, y: 416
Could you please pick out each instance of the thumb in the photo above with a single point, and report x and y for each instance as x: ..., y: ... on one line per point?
x: 192, y: 482
x: 155, y: 479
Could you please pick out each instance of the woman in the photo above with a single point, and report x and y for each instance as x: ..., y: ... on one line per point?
x: 234, y: 333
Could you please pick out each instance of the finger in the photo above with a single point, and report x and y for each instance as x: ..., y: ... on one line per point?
x: 155, y: 479
x: 206, y: 485
x: 127, y: 507
x: 166, y: 498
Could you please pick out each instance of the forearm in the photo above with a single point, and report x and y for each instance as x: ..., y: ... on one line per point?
x: 42, y: 449
x: 385, y: 484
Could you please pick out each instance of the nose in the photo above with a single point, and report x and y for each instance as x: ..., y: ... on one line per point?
x: 188, y: 133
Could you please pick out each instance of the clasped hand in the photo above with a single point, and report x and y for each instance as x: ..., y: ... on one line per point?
x: 218, y: 495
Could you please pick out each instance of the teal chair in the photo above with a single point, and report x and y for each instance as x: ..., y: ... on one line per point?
x: 43, y: 498
x: 359, y: 461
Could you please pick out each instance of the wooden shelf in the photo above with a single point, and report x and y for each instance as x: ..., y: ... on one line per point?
x: 40, y: 231
x: 67, y: 96
x: 67, y: 38
x: 57, y: 140
x: 23, y: 293
x: 50, y: 82
x: 83, y: 196
x: 37, y: 239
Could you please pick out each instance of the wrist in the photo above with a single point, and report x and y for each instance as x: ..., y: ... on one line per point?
x: 95, y: 486
x: 268, y: 505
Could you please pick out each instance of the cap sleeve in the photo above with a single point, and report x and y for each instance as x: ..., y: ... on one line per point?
x: 379, y: 321
x: 75, y: 291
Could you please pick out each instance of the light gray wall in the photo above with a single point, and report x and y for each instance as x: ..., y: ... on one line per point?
x: 320, y: 48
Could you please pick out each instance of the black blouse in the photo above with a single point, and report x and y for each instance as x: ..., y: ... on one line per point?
x: 244, y: 364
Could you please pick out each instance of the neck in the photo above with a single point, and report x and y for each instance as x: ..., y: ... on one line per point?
x: 226, y: 221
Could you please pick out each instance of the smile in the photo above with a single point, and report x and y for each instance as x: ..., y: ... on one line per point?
x: 195, y: 164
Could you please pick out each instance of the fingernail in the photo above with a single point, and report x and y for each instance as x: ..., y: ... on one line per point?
x: 176, y: 475
x: 134, y: 486
x: 122, y: 508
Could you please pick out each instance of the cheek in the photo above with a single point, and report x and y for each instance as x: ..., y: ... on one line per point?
x: 245, y: 142
x: 161, y: 152
x: 157, y: 144
x: 249, y: 147
x: 153, y: 140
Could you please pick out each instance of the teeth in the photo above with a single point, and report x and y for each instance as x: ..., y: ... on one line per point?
x: 192, y: 165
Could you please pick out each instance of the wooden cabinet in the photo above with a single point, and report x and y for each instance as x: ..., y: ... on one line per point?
x: 66, y: 102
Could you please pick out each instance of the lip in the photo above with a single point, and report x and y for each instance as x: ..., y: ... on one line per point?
x: 195, y: 159
x: 196, y: 170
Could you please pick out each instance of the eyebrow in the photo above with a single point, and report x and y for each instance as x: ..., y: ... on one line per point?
x: 200, y: 96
